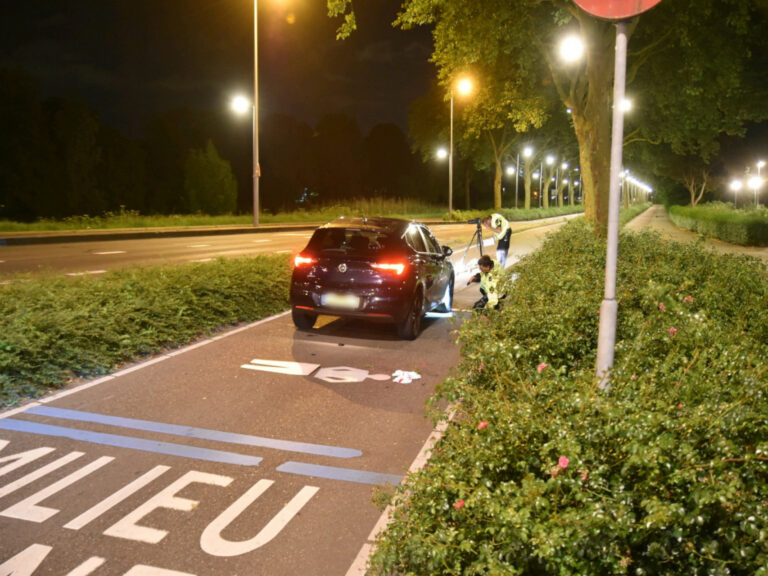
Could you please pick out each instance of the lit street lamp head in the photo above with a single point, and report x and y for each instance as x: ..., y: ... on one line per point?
x: 571, y: 48
x: 240, y: 104
x: 464, y: 86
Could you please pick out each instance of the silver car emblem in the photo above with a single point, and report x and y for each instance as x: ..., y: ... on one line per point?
x: 342, y: 267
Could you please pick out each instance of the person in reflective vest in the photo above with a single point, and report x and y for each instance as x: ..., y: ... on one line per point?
x: 489, y: 276
x: 502, y: 232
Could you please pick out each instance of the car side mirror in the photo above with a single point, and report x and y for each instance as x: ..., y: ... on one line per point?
x: 447, y: 251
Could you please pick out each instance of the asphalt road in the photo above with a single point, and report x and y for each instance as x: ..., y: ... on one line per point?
x: 116, y: 250
x: 257, y: 452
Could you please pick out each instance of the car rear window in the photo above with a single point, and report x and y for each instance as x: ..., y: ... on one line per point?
x: 352, y: 240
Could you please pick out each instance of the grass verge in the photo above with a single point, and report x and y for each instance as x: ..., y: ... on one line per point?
x: 718, y: 220
x: 53, y: 329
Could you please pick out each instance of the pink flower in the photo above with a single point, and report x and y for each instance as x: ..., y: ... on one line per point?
x: 480, y: 368
x: 482, y: 425
x: 563, y: 462
x: 661, y: 307
x: 634, y: 376
x: 584, y: 474
x: 677, y: 384
x: 459, y: 504
x: 672, y: 332
x: 680, y: 405
x: 540, y: 367
x: 688, y: 299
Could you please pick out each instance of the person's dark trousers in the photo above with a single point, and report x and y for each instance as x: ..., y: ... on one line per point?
x: 502, y: 248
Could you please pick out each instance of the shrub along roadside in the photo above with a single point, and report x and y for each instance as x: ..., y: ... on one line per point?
x: 541, y: 473
x: 53, y: 328
x: 718, y: 220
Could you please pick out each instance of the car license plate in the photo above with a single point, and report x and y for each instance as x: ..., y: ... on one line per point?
x: 346, y: 301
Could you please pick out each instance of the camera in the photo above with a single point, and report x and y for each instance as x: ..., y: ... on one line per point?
x: 474, y: 221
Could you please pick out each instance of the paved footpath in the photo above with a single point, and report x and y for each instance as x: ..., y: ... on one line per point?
x: 656, y: 218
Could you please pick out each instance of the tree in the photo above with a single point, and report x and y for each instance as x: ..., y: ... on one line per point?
x: 75, y: 134
x: 523, y: 36
x: 337, y: 146
x: 209, y: 183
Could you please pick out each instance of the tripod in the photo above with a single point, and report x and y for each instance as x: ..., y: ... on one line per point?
x: 477, y: 237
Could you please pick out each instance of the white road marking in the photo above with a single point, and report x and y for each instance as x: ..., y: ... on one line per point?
x: 302, y: 234
x: 109, y: 253
x: 87, y: 272
x: 211, y: 541
x: 202, y: 260
x: 261, y: 241
x: 283, y: 251
x: 198, y: 245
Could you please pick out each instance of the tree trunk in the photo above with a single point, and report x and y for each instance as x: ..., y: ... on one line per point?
x: 592, y: 123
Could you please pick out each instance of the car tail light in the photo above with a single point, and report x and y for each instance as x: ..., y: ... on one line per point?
x: 396, y: 268
x: 302, y: 260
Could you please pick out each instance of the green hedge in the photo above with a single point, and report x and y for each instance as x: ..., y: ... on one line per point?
x: 54, y: 328
x: 743, y: 227
x: 515, y: 214
x: 541, y: 473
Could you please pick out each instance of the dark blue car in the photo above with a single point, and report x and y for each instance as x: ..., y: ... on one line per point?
x: 374, y: 268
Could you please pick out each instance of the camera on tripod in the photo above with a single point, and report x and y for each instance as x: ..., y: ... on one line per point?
x: 475, y: 221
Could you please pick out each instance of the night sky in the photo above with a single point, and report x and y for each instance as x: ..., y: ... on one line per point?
x: 131, y: 59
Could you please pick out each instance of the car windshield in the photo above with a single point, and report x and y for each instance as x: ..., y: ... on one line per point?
x: 352, y: 240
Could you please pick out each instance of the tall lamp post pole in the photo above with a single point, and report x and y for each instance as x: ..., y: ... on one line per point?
x: 517, y: 177
x: 464, y: 86
x: 256, y: 169
x: 450, y: 166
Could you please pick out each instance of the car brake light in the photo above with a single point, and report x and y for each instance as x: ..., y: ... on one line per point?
x: 396, y: 267
x: 301, y: 260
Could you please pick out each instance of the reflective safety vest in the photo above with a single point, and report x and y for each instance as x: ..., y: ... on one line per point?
x: 489, y: 282
x: 498, y: 221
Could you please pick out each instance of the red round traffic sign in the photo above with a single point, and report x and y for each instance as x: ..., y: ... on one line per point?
x: 616, y: 9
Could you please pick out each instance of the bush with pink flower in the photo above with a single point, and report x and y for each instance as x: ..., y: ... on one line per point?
x: 666, y: 473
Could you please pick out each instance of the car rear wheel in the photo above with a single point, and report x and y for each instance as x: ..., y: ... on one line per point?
x: 446, y: 303
x: 410, y: 326
x: 303, y: 319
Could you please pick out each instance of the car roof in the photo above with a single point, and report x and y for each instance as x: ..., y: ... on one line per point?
x: 391, y: 225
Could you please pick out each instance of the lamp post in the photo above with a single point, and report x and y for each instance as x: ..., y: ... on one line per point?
x: 256, y: 169
x: 760, y: 164
x: 464, y: 86
x: 241, y: 105
x: 736, y: 186
x: 513, y: 171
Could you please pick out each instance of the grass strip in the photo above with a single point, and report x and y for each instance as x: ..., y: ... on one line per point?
x: 53, y: 329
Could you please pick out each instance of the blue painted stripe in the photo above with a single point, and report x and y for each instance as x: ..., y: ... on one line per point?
x: 130, y: 443
x: 199, y: 433
x: 333, y: 473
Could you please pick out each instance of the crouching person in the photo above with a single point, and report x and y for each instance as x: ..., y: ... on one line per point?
x: 489, y: 277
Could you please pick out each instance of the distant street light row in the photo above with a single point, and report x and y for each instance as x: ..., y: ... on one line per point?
x: 754, y: 183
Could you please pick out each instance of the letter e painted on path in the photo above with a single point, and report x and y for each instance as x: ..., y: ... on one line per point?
x: 211, y: 541
x: 127, y: 527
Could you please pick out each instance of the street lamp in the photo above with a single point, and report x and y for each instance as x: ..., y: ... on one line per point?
x: 256, y: 168
x: 464, y: 87
x: 241, y: 105
x: 736, y: 185
x: 571, y: 48
x: 755, y: 182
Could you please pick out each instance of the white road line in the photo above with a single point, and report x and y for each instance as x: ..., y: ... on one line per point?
x: 260, y: 241
x: 86, y: 272
x: 360, y: 564
x: 283, y: 251
x: 302, y: 234
x: 110, y: 252
x: 198, y: 245
x: 202, y: 260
